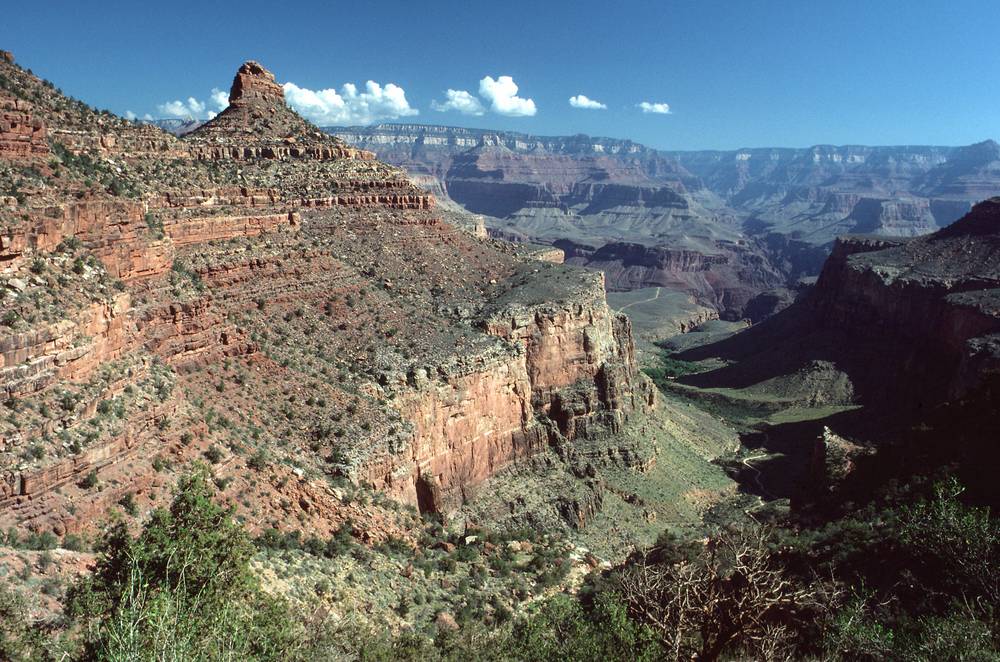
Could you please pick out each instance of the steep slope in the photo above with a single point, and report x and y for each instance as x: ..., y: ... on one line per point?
x: 908, y: 330
x: 264, y: 297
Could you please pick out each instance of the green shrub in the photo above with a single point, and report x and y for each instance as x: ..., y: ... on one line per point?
x: 213, y: 454
x: 128, y: 503
x: 45, y: 540
x: 182, y: 590
x: 259, y: 460
x: 19, y: 638
x: 90, y: 480
x: 155, y: 226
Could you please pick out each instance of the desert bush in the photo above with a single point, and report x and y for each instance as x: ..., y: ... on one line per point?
x: 213, y: 454
x: 19, y: 638
x: 182, y: 590
x: 90, y: 480
x: 729, y: 595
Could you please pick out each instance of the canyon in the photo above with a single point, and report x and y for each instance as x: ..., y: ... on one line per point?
x: 263, y: 297
x: 817, y: 193
x: 737, y: 230
x: 892, y: 352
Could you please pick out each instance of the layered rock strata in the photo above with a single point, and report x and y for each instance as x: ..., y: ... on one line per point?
x: 22, y: 137
x: 165, y: 304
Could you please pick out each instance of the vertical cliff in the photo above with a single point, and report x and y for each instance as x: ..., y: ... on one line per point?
x: 932, y: 298
x: 561, y: 368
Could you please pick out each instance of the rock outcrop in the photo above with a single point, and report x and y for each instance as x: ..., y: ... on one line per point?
x: 258, y: 125
x: 934, y: 296
x: 258, y: 290
x: 254, y: 84
x: 910, y: 321
x: 22, y: 137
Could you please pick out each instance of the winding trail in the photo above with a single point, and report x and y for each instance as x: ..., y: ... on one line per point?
x: 652, y: 298
x: 756, y: 474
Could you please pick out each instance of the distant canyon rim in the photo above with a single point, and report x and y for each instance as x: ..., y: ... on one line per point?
x: 737, y: 230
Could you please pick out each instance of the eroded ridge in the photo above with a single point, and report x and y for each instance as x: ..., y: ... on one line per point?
x: 260, y: 296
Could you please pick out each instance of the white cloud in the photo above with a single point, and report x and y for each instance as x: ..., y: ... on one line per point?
x: 220, y: 99
x: 348, y: 106
x: 502, y: 96
x: 459, y: 100
x: 657, y: 108
x: 194, y: 108
x: 130, y: 116
x: 183, y: 109
x: 326, y: 107
x: 581, y: 101
x: 173, y: 109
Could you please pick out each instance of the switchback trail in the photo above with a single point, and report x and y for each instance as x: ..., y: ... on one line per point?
x: 757, y: 473
x: 652, y: 298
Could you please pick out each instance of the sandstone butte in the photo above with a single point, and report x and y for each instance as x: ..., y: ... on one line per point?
x: 264, y: 297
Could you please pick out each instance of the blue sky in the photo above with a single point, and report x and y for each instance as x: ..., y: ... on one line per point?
x: 734, y: 74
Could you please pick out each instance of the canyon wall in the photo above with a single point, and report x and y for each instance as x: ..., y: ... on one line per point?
x: 816, y: 193
x: 572, y: 363
x: 931, y: 300
x: 303, y: 315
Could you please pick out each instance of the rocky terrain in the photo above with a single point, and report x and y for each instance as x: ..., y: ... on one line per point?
x: 263, y: 297
x: 895, y: 347
x: 612, y: 205
x: 736, y: 230
x: 817, y: 193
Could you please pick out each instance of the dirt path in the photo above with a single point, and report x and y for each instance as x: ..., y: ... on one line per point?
x: 756, y: 474
x: 652, y: 298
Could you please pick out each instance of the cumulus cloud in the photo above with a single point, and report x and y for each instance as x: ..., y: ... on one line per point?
x: 349, y: 106
x: 459, y: 100
x: 219, y: 99
x: 656, y: 108
x: 192, y: 108
x: 502, y: 97
x: 582, y: 101
x: 184, y: 109
x: 129, y: 115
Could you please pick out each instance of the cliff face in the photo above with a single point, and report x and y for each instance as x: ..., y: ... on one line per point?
x: 911, y: 324
x: 570, y: 362
x: 22, y: 137
x: 817, y: 193
x: 934, y: 296
x: 261, y: 290
x: 612, y: 205
x: 498, y: 174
